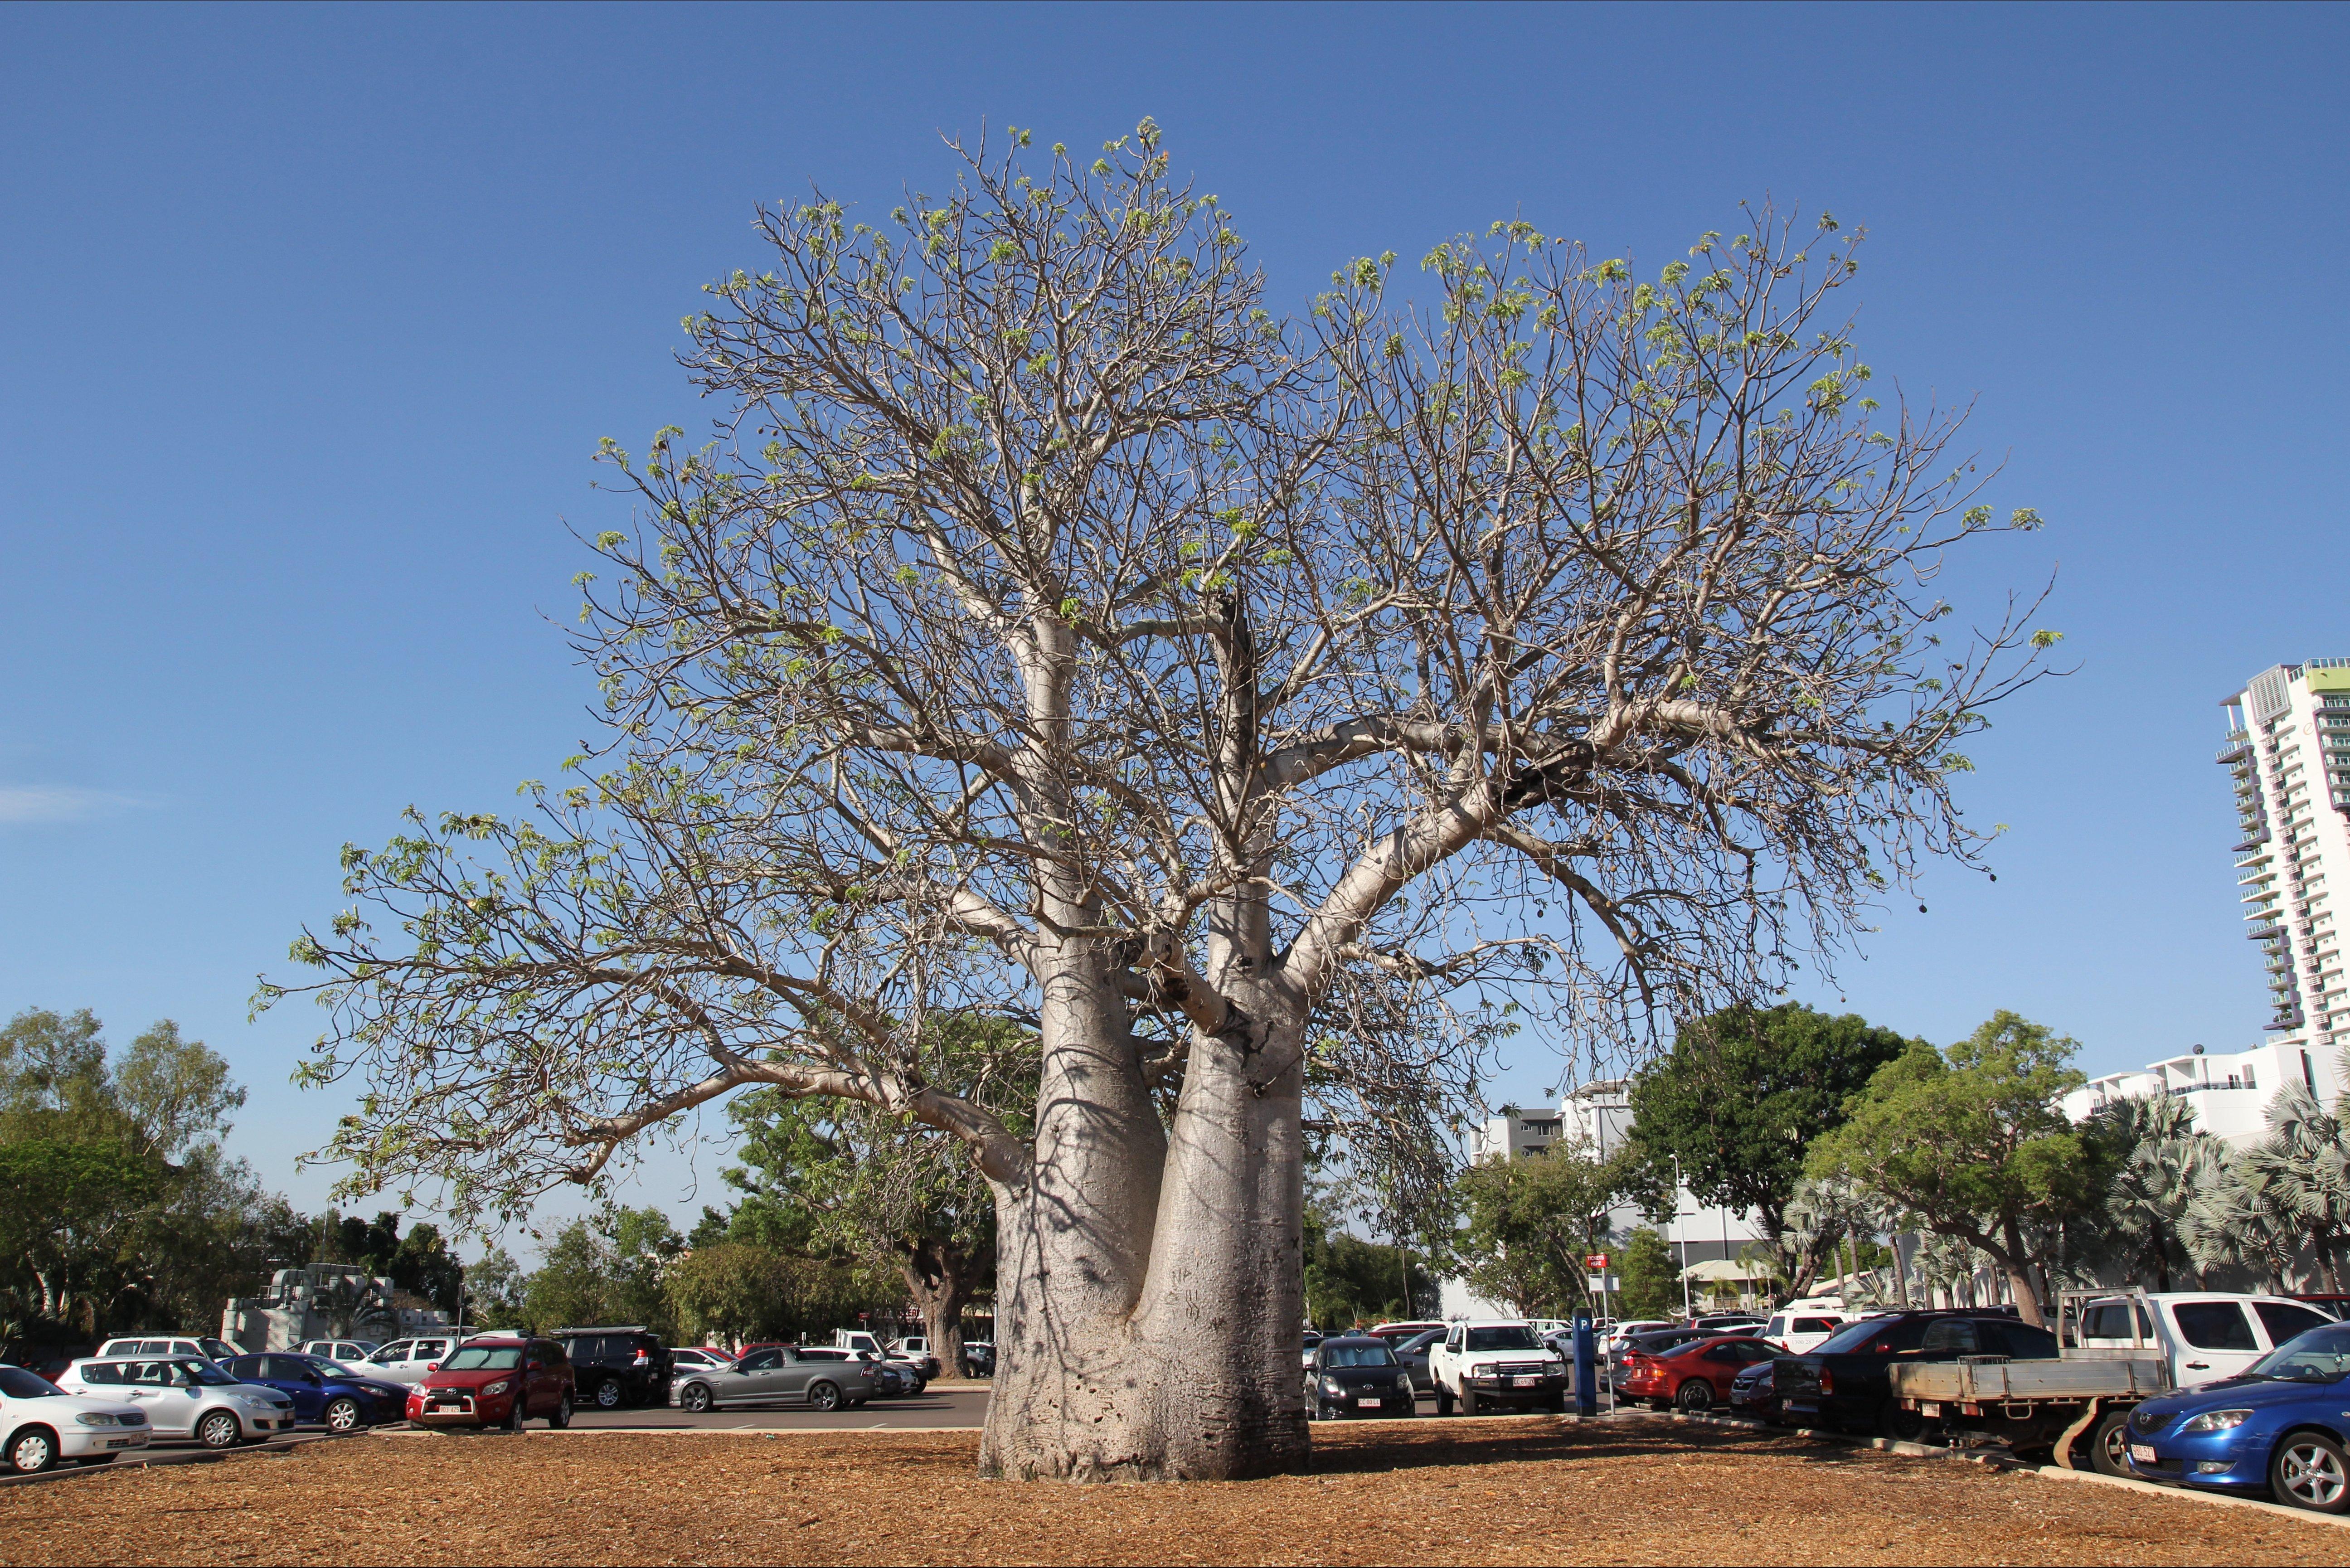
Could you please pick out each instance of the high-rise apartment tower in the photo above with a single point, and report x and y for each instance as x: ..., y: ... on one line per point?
x: 2288, y: 751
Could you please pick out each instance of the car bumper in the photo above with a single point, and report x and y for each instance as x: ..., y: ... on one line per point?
x: 1515, y: 1389
x: 465, y: 1411
x: 1386, y: 1402
x: 78, y: 1442
x: 2224, y: 1463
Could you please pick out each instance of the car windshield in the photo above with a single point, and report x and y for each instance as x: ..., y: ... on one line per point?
x: 1357, y: 1356
x: 2321, y: 1356
x: 18, y: 1384
x: 484, y: 1358
x: 202, y: 1372
x: 1850, y: 1337
x: 1514, y: 1337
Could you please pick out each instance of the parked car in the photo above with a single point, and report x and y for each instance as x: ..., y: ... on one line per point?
x: 182, y: 1344
x: 823, y: 1379
x: 1658, y: 1342
x: 2205, y: 1335
x: 495, y: 1381
x: 1306, y: 1354
x: 864, y: 1341
x: 981, y: 1356
x: 2277, y: 1425
x: 690, y: 1358
x: 613, y: 1366
x: 323, y: 1391
x: 1730, y: 1323
x: 1396, y: 1333
x: 915, y: 1350
x: 349, y: 1352
x: 1356, y: 1374
x: 1755, y: 1391
x: 1692, y: 1375
x: 41, y: 1424
x: 1412, y: 1354
x: 185, y: 1397
x: 892, y: 1379
x: 1797, y: 1332
x: 411, y: 1361
x: 1843, y: 1382
x: 1495, y: 1363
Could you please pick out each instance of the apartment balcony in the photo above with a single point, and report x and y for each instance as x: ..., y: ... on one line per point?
x: 2236, y: 751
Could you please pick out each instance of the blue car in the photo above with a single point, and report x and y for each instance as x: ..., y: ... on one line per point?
x: 2279, y: 1425
x: 324, y: 1393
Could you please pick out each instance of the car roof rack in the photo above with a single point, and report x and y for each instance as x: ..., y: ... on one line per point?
x: 605, y: 1328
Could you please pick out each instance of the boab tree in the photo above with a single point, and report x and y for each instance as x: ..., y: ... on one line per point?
x: 1050, y: 628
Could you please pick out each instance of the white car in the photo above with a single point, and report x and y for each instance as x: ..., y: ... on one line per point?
x: 1484, y: 1364
x: 40, y: 1424
x: 185, y: 1397
x: 690, y: 1358
x: 2205, y: 1335
x: 180, y: 1344
x: 349, y: 1354
x: 1796, y: 1332
x: 411, y: 1361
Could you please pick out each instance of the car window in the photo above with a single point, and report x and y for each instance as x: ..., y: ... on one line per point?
x: 1864, y: 1337
x: 1509, y: 1336
x: 2019, y: 1340
x: 1814, y: 1325
x: 1420, y: 1341
x: 2320, y: 1356
x: 2111, y: 1320
x: 244, y: 1366
x: 2213, y: 1326
x: 18, y: 1384
x: 390, y: 1352
x: 484, y: 1358
x: 1951, y: 1334
x: 101, y: 1372
x: 1725, y: 1353
x: 760, y: 1361
x: 1357, y: 1356
x: 2284, y: 1322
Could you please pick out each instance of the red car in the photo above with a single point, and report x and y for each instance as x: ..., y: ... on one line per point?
x: 1692, y: 1377
x: 495, y: 1382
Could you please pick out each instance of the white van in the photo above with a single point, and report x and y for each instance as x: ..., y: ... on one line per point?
x: 176, y: 1345
x: 1797, y: 1332
x: 2205, y: 1335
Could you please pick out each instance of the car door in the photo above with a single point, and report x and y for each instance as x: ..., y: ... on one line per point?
x: 759, y: 1378
x: 169, y: 1399
x: 297, y: 1380
x: 2215, y: 1339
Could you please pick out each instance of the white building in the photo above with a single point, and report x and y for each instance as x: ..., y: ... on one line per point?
x: 2288, y: 752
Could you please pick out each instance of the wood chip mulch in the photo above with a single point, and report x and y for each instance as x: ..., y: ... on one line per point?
x: 1507, y: 1492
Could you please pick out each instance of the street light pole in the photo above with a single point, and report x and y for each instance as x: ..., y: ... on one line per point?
x: 1681, y: 1237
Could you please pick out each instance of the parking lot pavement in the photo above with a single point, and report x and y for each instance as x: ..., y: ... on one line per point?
x: 958, y: 1407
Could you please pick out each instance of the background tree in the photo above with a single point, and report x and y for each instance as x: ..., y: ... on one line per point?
x: 1740, y: 1099
x: 605, y: 1269
x: 1530, y: 1221
x: 1052, y: 630
x: 1974, y: 1144
x: 2167, y: 1162
x: 1349, y: 1281
x: 496, y: 1291
x: 1650, y: 1277
x: 741, y: 1290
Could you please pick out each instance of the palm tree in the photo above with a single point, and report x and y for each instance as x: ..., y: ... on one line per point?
x: 2169, y: 1162
x: 2233, y: 1220
x: 2302, y: 1168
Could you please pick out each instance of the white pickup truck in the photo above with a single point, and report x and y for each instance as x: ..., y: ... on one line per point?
x: 2118, y: 1348
x: 1485, y: 1364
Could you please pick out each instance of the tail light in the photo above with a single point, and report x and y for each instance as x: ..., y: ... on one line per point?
x: 642, y: 1359
x: 1827, y: 1381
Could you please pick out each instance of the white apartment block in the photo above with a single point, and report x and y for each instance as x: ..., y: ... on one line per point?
x: 2288, y: 751
x: 2288, y: 755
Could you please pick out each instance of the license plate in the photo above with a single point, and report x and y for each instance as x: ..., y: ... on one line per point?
x: 1368, y: 1404
x: 2142, y: 1452
x: 1929, y: 1408
x: 1525, y: 1382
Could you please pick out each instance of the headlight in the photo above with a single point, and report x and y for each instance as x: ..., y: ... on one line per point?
x: 2216, y: 1421
x: 97, y: 1419
x: 1331, y: 1385
x: 1556, y: 1363
x: 500, y: 1386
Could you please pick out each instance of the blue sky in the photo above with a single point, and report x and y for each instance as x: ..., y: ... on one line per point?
x: 310, y: 319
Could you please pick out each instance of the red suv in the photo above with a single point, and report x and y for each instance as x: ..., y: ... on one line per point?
x: 1692, y: 1377
x: 495, y: 1382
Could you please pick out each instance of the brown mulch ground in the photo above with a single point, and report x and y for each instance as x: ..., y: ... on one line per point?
x: 1501, y: 1492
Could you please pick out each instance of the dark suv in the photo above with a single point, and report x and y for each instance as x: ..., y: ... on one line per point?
x: 615, y: 1366
x: 1844, y: 1380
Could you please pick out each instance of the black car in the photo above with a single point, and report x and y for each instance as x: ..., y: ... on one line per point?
x: 1755, y: 1392
x: 1356, y: 1374
x: 1413, y: 1354
x: 615, y: 1366
x: 1844, y: 1382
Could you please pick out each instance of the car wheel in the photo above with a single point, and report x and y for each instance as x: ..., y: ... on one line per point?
x: 342, y: 1415
x: 1469, y: 1404
x: 695, y: 1398
x: 1694, y: 1396
x: 823, y: 1396
x: 218, y: 1431
x: 1901, y: 1426
x: 1443, y: 1400
x: 607, y: 1395
x: 1555, y: 1404
x: 513, y: 1423
x: 33, y: 1450
x: 2312, y: 1472
x: 2109, y: 1445
x: 562, y: 1416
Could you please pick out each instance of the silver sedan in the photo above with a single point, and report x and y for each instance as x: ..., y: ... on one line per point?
x: 776, y: 1375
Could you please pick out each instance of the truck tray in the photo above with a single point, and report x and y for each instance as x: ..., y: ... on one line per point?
x: 1988, y: 1382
